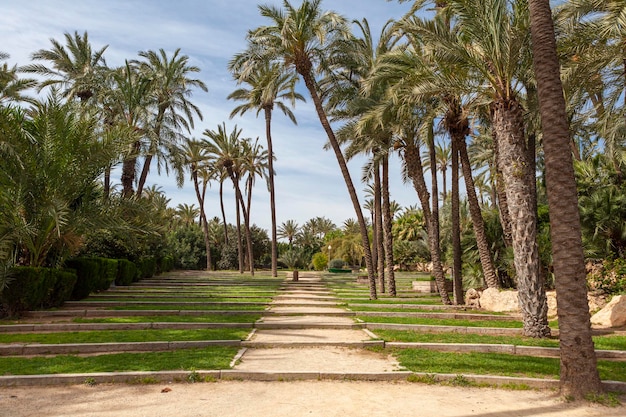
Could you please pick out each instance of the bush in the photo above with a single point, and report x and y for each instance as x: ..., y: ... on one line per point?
x: 33, y: 288
x: 126, y: 272
x: 94, y: 274
x: 147, y: 267
x: 610, y: 277
x: 319, y: 261
x: 336, y: 264
x: 165, y: 264
x: 63, y: 287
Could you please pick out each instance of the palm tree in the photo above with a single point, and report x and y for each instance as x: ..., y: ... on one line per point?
x: 253, y: 163
x: 51, y: 160
x: 75, y: 66
x: 187, y: 213
x: 170, y: 87
x: 269, y: 86
x: 352, y: 63
x: 302, y: 39
x: 127, y: 101
x: 579, y: 373
x: 225, y: 152
x: 288, y: 230
x: 11, y: 86
x: 195, y: 159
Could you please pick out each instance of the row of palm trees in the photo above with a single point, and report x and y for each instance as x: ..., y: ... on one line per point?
x: 467, y: 66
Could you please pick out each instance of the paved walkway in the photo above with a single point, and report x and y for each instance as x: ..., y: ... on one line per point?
x: 309, y: 332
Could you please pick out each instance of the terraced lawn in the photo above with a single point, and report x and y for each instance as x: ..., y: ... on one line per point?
x: 183, y: 359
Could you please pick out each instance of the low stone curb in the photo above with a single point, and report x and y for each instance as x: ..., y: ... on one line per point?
x: 78, y: 327
x: 108, y: 304
x: 429, y: 328
x: 198, y: 376
x: 132, y: 313
x: 269, y: 345
x: 466, y: 316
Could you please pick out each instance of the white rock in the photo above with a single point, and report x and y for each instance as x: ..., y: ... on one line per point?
x: 612, y: 315
x: 492, y: 299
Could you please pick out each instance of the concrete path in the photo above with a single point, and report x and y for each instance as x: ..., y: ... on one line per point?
x: 312, y: 334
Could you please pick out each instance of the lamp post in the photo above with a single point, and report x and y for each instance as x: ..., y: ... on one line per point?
x: 329, y: 248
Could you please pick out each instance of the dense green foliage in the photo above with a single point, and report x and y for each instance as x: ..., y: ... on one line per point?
x: 31, y: 288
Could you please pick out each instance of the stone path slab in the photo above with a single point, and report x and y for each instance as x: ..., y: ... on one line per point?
x: 322, y: 359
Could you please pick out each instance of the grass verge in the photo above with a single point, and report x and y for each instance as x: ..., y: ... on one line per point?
x: 123, y: 336
x: 422, y: 360
x: 187, y: 359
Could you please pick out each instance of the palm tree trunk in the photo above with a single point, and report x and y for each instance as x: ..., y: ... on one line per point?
x: 508, y: 123
x: 223, y: 212
x: 203, y: 221
x: 107, y: 182
x: 416, y: 173
x: 579, y: 373
x: 503, y: 206
x: 144, y: 174
x: 310, y: 84
x: 270, y: 152
x: 240, y: 255
x: 457, y: 279
x: 433, y: 235
x: 246, y: 220
x: 387, y: 224
x: 486, y: 260
x: 378, y: 234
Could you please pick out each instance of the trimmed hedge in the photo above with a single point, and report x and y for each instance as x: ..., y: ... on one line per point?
x: 147, y: 267
x: 126, y: 272
x: 35, y: 288
x: 165, y: 264
x: 94, y: 274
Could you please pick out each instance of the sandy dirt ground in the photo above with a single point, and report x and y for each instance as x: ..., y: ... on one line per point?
x: 281, y: 399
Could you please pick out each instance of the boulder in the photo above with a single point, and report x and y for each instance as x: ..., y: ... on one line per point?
x: 492, y: 299
x: 612, y: 315
x: 472, y: 298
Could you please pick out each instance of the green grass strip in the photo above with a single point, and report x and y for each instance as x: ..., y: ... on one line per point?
x: 600, y: 342
x: 422, y: 360
x: 211, y: 358
x: 444, y: 322
x: 121, y: 336
x: 209, y: 318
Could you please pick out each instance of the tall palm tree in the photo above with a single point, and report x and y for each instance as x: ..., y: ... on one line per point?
x: 128, y: 104
x: 579, y: 373
x: 269, y: 86
x: 352, y: 63
x: 170, y: 87
x: 302, y: 39
x: 195, y: 159
x: 254, y: 162
x: 224, y: 151
x: 75, y: 66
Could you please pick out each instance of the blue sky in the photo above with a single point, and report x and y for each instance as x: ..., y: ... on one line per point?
x: 210, y: 32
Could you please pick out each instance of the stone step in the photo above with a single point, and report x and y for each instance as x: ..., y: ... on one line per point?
x: 109, y: 304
